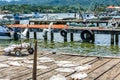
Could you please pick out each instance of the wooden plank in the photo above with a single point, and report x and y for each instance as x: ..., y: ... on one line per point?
x: 109, y: 75
x: 13, y: 71
x: 102, y: 70
x: 27, y: 74
x: 48, y: 74
x: 98, y: 63
x: 117, y: 77
x: 46, y: 77
x: 9, y: 70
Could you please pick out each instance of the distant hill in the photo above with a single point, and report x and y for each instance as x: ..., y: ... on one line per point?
x: 84, y: 3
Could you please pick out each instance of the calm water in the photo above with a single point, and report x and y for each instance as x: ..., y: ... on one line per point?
x: 101, y: 46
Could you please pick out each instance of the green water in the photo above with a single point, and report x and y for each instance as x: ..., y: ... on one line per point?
x: 80, y: 48
x: 72, y: 47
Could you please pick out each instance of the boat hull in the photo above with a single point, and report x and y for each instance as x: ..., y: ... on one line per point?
x: 4, y: 35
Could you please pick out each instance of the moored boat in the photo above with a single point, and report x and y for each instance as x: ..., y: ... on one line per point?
x: 6, y: 32
x: 11, y: 33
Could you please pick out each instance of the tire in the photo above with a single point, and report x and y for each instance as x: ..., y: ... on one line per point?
x: 30, y: 50
x: 63, y: 33
x: 87, y: 35
x: 18, y: 52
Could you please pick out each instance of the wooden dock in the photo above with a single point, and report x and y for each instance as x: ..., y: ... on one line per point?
x: 106, y: 68
x: 77, y: 21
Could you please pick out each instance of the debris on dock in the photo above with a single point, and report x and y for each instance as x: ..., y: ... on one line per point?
x: 59, y: 66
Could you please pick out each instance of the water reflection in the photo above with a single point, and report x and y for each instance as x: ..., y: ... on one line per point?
x: 102, y: 39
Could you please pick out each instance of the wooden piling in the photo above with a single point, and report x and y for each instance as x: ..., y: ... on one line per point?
x: 93, y: 38
x: 16, y: 36
x: 35, y: 62
x: 116, y: 39
x: 28, y: 35
x: 45, y: 36
x: 71, y: 36
x: 106, y: 24
x: 112, y: 38
x: 97, y: 23
x: 35, y: 35
x: 52, y: 36
x: 65, y: 38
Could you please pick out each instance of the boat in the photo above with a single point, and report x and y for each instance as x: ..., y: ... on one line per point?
x: 15, y: 33
x: 18, y: 17
x: 111, y: 12
x: 6, y: 32
x: 88, y: 16
x: 47, y: 16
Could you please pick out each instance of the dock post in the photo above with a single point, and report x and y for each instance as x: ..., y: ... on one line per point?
x: 45, y: 36
x: 52, y: 35
x: 106, y: 24
x: 97, y: 23
x: 35, y: 35
x: 116, y: 39
x: 112, y: 38
x: 28, y: 35
x: 65, y: 38
x: 71, y: 37
x: 35, y: 62
x: 93, y: 39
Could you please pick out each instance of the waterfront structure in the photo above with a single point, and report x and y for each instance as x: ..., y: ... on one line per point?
x: 111, y: 11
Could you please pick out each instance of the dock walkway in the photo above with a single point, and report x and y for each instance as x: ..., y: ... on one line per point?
x: 101, y: 68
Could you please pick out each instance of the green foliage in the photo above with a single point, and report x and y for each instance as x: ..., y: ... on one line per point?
x: 84, y: 3
x: 42, y: 9
x: 27, y: 6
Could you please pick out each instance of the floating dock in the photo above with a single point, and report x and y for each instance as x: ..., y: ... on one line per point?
x: 105, y: 68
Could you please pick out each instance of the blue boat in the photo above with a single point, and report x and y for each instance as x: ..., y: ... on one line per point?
x: 18, y: 17
x: 6, y: 32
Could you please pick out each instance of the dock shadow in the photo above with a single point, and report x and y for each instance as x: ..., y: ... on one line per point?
x: 11, y: 54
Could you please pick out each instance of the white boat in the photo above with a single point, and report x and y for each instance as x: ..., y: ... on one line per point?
x: 111, y: 12
x: 88, y: 16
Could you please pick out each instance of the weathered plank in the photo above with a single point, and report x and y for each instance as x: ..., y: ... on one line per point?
x: 109, y: 75
x: 27, y: 74
x: 117, y: 77
x: 102, y: 70
x: 82, y: 61
x: 96, y: 64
